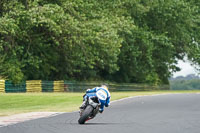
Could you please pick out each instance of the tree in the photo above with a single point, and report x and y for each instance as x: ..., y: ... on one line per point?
x: 124, y: 41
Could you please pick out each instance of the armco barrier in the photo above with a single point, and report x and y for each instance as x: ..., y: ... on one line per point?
x: 78, y: 86
x: 47, y: 86
x: 68, y: 86
x: 12, y: 88
x: 82, y: 86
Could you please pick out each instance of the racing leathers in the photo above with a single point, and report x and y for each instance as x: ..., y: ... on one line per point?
x: 103, y: 95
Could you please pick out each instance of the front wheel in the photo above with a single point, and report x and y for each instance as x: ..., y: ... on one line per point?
x: 85, y: 115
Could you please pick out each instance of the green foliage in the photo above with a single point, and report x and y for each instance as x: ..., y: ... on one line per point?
x: 167, y: 29
x: 193, y: 84
x: 124, y: 41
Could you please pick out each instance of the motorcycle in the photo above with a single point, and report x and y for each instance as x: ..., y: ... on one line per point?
x: 90, y: 111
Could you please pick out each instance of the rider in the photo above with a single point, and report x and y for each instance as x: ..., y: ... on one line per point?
x: 103, y: 95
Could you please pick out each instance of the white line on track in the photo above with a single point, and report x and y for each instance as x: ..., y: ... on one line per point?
x: 14, y: 119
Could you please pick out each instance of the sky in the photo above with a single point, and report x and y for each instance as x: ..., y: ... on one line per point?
x: 186, y: 69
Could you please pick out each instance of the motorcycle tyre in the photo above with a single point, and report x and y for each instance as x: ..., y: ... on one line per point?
x: 86, y: 113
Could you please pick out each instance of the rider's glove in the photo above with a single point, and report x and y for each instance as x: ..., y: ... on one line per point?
x: 100, y: 110
x: 106, y: 105
x: 87, y: 90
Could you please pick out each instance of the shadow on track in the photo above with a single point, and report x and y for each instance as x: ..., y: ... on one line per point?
x: 102, y: 124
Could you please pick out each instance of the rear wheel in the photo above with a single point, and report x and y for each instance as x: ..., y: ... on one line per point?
x: 85, y: 115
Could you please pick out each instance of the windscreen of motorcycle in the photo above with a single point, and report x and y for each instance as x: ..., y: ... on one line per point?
x: 101, y: 95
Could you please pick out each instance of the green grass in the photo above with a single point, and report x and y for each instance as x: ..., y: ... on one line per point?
x: 14, y: 103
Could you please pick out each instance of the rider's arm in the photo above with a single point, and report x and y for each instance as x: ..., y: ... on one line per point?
x: 107, y: 102
x: 91, y: 90
x: 102, y: 105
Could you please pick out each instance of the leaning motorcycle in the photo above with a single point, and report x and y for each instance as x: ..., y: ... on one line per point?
x: 90, y: 110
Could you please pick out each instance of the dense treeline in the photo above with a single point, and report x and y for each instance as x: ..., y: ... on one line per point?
x: 187, y: 77
x: 193, y: 84
x: 118, y: 40
x: 189, y: 82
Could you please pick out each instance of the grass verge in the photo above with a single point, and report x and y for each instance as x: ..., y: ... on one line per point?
x: 14, y: 103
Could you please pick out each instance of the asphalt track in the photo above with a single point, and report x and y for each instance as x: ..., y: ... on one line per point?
x: 173, y: 113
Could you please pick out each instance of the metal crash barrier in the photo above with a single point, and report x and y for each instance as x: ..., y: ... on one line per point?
x: 69, y: 86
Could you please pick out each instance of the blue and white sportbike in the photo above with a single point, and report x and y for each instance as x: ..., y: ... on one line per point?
x: 93, y: 102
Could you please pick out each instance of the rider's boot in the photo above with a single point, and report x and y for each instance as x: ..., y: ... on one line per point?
x: 83, y: 105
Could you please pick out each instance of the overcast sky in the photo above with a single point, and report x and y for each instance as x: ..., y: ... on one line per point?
x: 186, y: 69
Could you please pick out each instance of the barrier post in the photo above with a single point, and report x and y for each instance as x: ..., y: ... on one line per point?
x: 58, y: 86
x: 2, y: 86
x: 33, y: 86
